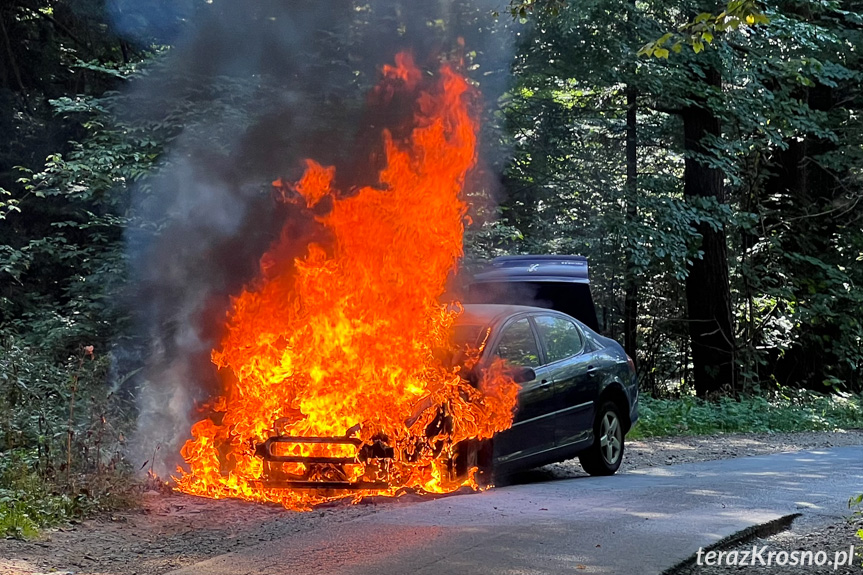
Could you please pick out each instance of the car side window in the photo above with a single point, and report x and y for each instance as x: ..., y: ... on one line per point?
x: 561, y: 337
x: 518, y: 346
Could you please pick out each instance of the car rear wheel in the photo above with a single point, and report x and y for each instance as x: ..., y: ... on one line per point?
x: 606, y: 453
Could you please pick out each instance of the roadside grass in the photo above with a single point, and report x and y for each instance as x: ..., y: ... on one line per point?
x: 63, y: 424
x: 786, y: 411
x: 26, y: 502
x: 30, y: 502
x: 856, y: 505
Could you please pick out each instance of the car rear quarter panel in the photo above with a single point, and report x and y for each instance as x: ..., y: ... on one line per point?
x: 619, y: 380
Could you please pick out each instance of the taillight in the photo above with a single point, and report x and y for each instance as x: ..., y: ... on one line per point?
x: 631, y: 364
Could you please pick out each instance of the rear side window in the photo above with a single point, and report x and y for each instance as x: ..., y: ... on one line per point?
x: 593, y: 341
x: 518, y: 346
x: 561, y: 337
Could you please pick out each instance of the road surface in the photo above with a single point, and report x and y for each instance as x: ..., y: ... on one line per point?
x: 643, y: 521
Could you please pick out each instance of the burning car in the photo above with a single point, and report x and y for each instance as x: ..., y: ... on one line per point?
x: 578, y: 396
x: 331, y: 379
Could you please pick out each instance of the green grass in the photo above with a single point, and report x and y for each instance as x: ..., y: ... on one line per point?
x: 788, y: 410
x: 26, y: 502
x: 856, y: 505
x: 29, y: 502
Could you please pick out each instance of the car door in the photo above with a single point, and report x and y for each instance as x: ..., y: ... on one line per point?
x: 574, y: 376
x: 532, y: 429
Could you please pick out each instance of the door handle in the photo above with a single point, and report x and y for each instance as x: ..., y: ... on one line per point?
x: 592, y: 370
x: 543, y: 383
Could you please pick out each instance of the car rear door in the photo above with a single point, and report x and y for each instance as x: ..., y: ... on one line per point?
x: 574, y: 375
x: 532, y: 430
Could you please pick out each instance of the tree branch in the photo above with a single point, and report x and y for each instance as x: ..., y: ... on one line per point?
x: 60, y: 27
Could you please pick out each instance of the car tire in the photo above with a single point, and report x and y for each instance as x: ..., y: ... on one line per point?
x: 606, y: 453
x: 478, y: 454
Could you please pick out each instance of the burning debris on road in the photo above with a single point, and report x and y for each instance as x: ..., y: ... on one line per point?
x: 332, y: 386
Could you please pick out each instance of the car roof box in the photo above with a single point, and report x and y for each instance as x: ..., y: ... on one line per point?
x: 555, y: 282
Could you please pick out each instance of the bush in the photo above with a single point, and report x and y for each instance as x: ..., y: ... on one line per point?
x: 62, y: 430
x: 26, y: 503
x: 786, y: 411
x: 856, y: 505
x: 29, y: 501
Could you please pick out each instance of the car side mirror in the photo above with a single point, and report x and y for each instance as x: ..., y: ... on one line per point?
x: 523, y: 374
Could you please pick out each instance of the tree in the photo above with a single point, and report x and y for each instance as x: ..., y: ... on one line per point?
x: 708, y: 291
x: 750, y: 140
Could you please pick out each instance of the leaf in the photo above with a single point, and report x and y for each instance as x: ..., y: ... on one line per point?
x: 697, y: 46
x: 647, y: 49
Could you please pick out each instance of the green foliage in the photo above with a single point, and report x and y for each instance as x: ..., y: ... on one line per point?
x: 789, y: 153
x: 739, y: 16
x: 7, y: 206
x: 65, y: 405
x: 74, y: 259
x: 62, y: 437
x: 856, y: 505
x: 786, y: 411
x: 29, y: 502
x: 25, y: 501
x: 522, y: 8
x: 65, y: 413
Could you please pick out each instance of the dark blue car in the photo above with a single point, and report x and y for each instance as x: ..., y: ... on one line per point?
x: 578, y: 397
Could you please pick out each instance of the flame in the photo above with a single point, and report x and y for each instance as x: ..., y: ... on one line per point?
x: 342, y: 341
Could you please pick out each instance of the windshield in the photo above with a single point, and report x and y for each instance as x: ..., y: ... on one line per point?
x: 463, y: 337
x: 466, y: 335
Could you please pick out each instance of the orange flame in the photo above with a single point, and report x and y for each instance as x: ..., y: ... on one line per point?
x: 342, y: 340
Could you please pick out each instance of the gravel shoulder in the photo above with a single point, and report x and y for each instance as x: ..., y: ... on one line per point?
x: 170, y: 531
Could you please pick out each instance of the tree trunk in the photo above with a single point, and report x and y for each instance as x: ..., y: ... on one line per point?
x: 805, y: 193
x: 13, y: 64
x: 708, y: 294
x: 630, y: 303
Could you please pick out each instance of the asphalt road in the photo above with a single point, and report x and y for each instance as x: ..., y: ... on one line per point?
x: 642, y: 522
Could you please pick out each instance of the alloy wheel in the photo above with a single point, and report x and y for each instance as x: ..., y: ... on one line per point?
x: 611, y: 438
